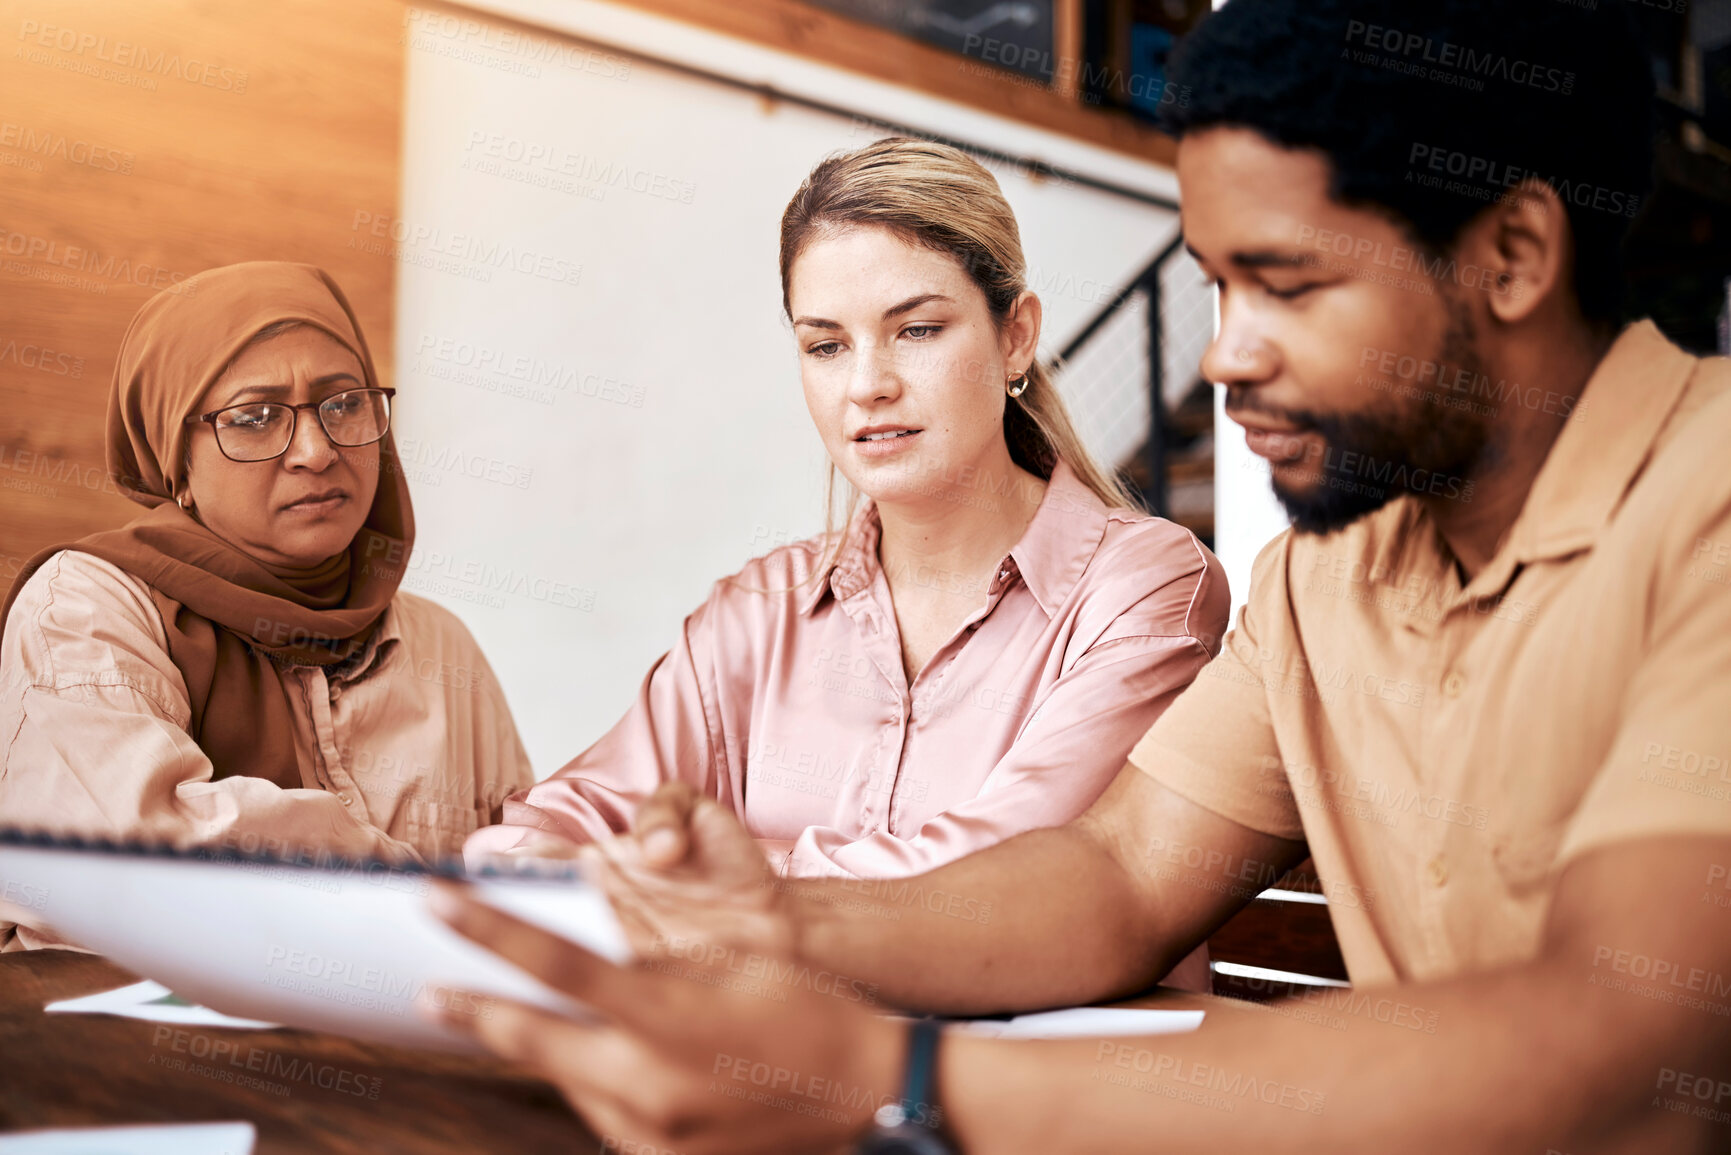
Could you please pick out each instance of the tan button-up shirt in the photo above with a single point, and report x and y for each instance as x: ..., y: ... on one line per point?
x: 402, y: 753
x: 1446, y: 751
x: 786, y: 699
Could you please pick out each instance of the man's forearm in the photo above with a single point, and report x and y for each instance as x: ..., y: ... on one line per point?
x: 1048, y: 918
x: 1562, y: 1053
x: 1516, y: 1061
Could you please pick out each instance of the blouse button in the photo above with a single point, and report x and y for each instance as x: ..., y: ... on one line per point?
x: 1437, y: 870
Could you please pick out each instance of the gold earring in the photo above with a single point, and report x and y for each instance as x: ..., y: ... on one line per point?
x: 1017, y: 385
x: 185, y: 502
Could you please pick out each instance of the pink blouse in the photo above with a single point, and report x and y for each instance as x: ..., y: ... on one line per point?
x: 785, y: 697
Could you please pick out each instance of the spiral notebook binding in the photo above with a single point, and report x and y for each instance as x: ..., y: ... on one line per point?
x: 446, y: 866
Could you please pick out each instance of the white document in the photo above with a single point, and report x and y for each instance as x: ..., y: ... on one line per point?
x: 1086, y: 1023
x: 154, y: 1003
x: 171, y: 1139
x: 340, y: 950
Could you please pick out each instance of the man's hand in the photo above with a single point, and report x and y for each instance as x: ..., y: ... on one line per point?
x: 694, y: 1054
x: 689, y: 872
x: 688, y: 835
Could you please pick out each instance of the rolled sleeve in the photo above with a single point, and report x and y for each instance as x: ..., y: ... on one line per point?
x: 1216, y: 745
x: 1668, y: 772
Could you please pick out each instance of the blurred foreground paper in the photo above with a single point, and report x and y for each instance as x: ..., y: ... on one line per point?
x: 154, y: 1003
x: 344, y: 947
x: 174, y: 1139
x: 1087, y: 1023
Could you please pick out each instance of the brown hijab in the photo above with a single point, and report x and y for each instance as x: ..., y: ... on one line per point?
x: 232, y: 620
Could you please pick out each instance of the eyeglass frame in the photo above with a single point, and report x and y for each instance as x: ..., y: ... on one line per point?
x: 295, y: 422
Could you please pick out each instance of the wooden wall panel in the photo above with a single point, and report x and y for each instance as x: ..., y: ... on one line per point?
x: 141, y: 143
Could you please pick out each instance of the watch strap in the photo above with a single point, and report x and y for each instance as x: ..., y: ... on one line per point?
x: 917, y: 1105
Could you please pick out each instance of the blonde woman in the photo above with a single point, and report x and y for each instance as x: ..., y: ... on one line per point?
x: 238, y: 666
x: 976, y: 653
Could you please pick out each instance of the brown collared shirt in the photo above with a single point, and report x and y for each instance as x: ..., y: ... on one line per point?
x: 1447, y: 750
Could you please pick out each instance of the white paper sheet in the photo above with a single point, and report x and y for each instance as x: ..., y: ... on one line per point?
x: 172, y: 1139
x: 1086, y: 1023
x: 346, y: 951
x: 154, y: 1003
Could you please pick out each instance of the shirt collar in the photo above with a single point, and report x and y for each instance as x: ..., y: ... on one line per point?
x: 850, y: 566
x: 377, y: 648
x: 1061, y: 540
x: 1051, y: 556
x: 1603, y: 446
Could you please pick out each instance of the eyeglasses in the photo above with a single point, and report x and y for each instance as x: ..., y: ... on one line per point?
x: 262, y: 430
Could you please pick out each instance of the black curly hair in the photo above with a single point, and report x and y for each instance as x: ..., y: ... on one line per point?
x: 1429, y: 110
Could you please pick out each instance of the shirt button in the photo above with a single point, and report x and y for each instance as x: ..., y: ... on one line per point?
x: 1454, y: 684
x: 1437, y: 871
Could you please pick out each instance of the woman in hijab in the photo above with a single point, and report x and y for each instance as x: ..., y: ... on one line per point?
x: 237, y: 666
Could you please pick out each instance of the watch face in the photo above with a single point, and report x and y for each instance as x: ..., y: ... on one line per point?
x: 904, y: 1140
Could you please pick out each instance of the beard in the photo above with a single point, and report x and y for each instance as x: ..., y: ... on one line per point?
x: 1369, y: 458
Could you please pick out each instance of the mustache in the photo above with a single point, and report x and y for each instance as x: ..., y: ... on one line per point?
x: 1242, y: 399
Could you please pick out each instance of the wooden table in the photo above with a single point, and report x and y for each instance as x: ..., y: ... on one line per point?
x: 305, y: 1092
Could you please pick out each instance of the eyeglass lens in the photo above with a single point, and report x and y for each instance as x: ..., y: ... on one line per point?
x: 262, y: 431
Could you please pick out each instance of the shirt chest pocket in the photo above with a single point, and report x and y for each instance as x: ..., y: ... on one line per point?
x: 1543, y: 745
x: 435, y: 824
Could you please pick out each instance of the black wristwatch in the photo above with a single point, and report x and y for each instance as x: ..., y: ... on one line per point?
x: 910, y: 1127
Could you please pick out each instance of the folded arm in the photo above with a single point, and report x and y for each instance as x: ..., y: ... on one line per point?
x: 93, y: 719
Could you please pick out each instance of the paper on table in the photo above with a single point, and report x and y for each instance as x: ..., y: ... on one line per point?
x: 1086, y: 1023
x: 172, y: 1139
x: 154, y: 1003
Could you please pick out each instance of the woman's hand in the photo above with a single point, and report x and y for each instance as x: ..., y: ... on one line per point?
x: 482, y: 850
x: 543, y: 845
x: 724, y: 1052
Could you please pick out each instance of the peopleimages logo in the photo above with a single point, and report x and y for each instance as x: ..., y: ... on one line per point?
x: 41, y: 359
x: 1455, y: 63
x: 486, y: 151
x: 58, y: 146
x: 46, y: 254
x: 123, y: 54
x: 1482, y: 173
x: 465, y: 254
